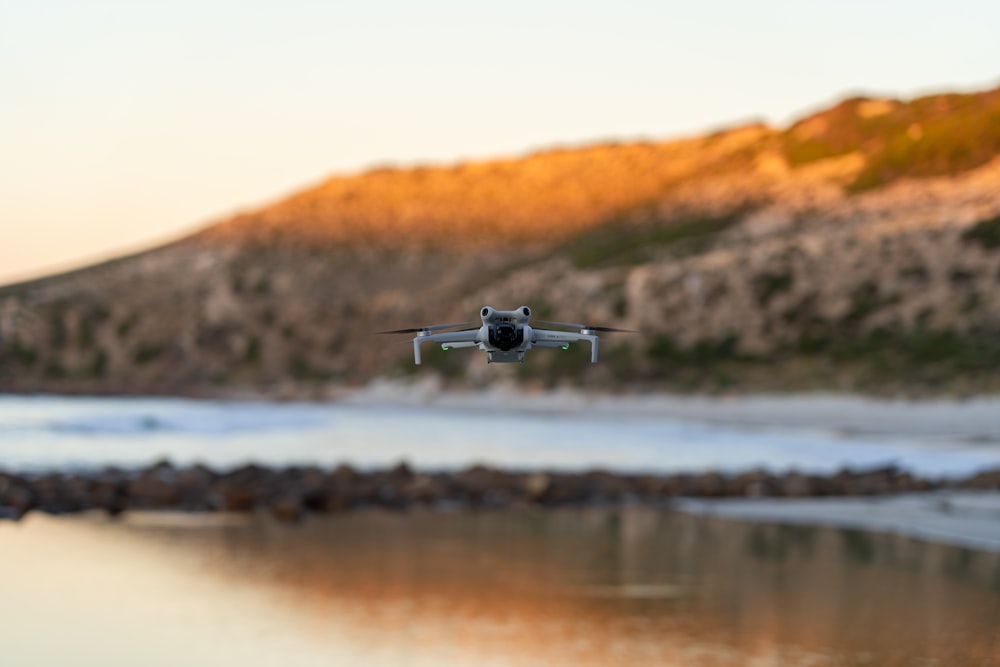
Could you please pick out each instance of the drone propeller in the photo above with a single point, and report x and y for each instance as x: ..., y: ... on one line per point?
x: 434, y: 327
x: 570, y: 325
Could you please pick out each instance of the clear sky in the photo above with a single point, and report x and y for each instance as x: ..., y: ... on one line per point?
x: 127, y: 122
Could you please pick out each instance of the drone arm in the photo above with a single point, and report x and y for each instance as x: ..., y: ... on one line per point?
x: 544, y: 336
x: 467, y: 336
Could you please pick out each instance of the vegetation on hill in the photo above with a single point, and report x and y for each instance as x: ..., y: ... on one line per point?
x: 928, y: 136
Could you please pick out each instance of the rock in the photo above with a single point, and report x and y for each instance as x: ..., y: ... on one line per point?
x: 162, y: 468
x: 795, y: 485
x: 388, y: 488
x: 308, y: 484
x: 401, y: 471
x: 241, y: 490
x: 109, y: 491
x: 345, y: 474
x: 194, y: 488
x: 291, y: 493
x: 752, y: 484
x: 650, y: 487
x: 537, y: 486
x: 50, y: 494
x: 567, y: 489
x: 337, y: 491
x: 16, y: 500
x: 426, y: 489
x: 288, y: 508
x: 877, y: 481
x: 986, y: 479
x: 479, y: 481
x: 308, y: 479
x: 155, y: 487
x: 152, y: 491
x: 233, y: 495
x: 76, y: 489
x: 605, y: 486
x: 110, y: 496
x: 709, y: 485
x: 331, y: 499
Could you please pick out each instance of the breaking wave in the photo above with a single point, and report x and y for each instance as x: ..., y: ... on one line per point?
x: 150, y: 417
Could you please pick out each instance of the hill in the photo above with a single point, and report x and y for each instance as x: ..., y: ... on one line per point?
x: 857, y: 249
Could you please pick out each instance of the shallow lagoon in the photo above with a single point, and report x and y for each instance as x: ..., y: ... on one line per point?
x: 635, y: 586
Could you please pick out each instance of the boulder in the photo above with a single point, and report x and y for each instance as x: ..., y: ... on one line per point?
x: 427, y: 489
x: 605, y: 486
x: 194, y: 488
x: 16, y: 499
x: 537, y: 486
x: 50, y: 494
x: 709, y: 485
x: 795, y: 485
x: 986, y: 479
x: 152, y: 491
x: 287, y: 508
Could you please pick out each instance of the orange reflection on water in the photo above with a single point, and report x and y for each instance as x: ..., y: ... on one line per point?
x: 631, y: 587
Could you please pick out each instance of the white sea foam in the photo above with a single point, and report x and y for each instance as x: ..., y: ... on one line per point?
x: 572, y: 433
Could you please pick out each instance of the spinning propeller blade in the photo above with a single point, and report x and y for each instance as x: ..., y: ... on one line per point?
x: 433, y: 327
x: 589, y: 327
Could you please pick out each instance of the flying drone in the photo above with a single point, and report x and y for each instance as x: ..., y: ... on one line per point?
x: 505, y: 335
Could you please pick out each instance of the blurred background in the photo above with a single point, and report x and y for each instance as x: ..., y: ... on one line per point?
x: 209, y: 208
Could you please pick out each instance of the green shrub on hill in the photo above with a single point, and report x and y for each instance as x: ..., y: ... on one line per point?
x: 623, y: 242
x: 985, y: 232
x: 889, y: 357
x: 935, y: 135
x: 768, y: 284
x: 148, y: 352
x: 17, y: 353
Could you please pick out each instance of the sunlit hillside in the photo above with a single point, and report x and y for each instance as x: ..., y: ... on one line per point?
x: 540, y: 199
x: 857, y: 249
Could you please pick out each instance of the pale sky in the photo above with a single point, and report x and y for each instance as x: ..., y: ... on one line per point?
x: 124, y: 123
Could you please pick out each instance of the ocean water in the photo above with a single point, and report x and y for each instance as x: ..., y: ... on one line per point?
x: 42, y: 432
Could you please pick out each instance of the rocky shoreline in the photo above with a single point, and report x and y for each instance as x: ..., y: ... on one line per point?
x: 290, y: 494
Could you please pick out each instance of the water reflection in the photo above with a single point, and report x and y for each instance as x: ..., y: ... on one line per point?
x: 630, y: 587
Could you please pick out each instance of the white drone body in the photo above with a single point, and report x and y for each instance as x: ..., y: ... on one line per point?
x: 505, y: 335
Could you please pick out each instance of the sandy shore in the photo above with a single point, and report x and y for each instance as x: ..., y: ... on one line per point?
x: 971, y: 420
x: 961, y: 518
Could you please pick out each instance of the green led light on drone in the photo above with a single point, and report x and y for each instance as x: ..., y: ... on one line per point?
x: 445, y: 348
x: 565, y: 347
